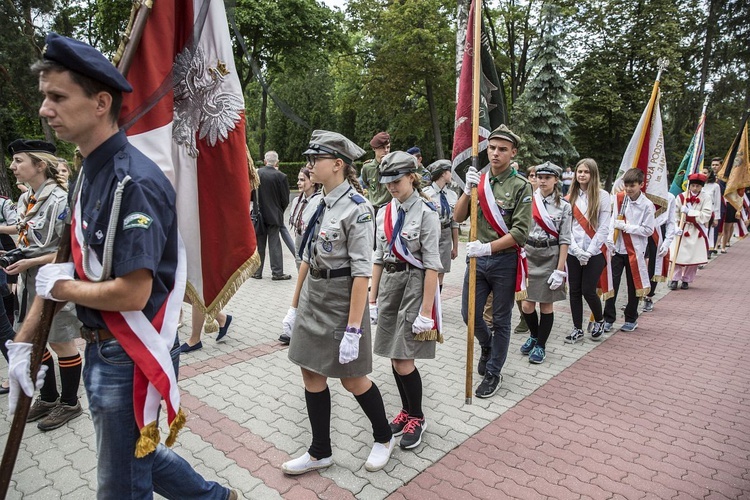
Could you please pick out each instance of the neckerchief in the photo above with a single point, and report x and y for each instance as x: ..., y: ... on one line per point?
x: 148, y: 343
x: 636, y: 260
x: 27, y: 210
x: 494, y: 217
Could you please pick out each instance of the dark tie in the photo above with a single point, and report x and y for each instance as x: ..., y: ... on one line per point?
x: 397, y: 227
x: 445, y: 209
x: 307, y: 238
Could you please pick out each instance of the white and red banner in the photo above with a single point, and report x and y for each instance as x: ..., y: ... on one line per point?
x: 541, y: 215
x: 187, y: 113
x: 661, y: 265
x: 605, y: 287
x: 636, y: 259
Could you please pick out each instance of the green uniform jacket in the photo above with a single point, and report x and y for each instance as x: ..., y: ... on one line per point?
x: 377, y: 193
x: 513, y: 195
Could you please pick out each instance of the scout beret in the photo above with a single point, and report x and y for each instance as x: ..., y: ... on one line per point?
x: 31, y: 146
x: 439, y: 166
x: 503, y: 132
x: 380, y: 139
x: 323, y: 142
x: 414, y: 151
x: 396, y: 165
x: 548, y: 168
x: 697, y: 179
x: 84, y: 59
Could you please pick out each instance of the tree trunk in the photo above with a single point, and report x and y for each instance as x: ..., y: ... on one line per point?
x: 263, y: 113
x: 462, y: 18
x: 435, y: 121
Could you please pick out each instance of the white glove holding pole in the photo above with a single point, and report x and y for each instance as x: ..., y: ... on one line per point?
x: 684, y: 209
x: 373, y: 314
x: 472, y: 179
x: 678, y: 232
x: 50, y: 274
x: 583, y: 257
x: 556, y: 279
x: 477, y: 249
x: 19, y: 373
x: 619, y: 224
x: 663, y: 249
x: 288, y: 322
x: 422, y: 324
x: 349, y: 347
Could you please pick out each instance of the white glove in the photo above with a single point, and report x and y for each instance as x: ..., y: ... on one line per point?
x: 477, y: 249
x: 684, y: 209
x: 288, y: 322
x: 374, y: 314
x: 678, y: 232
x: 556, y: 279
x: 619, y: 224
x: 472, y: 179
x: 574, y: 251
x: 583, y: 258
x: 19, y: 368
x: 50, y: 274
x: 349, y: 347
x: 663, y: 249
x: 422, y: 324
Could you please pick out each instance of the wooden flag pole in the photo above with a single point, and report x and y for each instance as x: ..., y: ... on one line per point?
x: 15, y: 435
x: 475, y: 93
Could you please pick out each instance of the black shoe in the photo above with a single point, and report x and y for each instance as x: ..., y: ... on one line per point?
x: 281, y: 277
x: 482, y: 366
x: 398, y: 423
x: 413, y: 431
x: 597, y: 330
x: 684, y: 286
x: 284, y: 339
x: 672, y: 285
x: 224, y: 329
x: 489, y: 385
x: 257, y: 276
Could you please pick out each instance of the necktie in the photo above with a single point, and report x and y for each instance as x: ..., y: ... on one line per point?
x: 307, y: 238
x: 397, y: 227
x: 445, y: 209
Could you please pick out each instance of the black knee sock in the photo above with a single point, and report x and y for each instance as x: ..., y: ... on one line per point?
x: 532, y: 320
x: 319, y: 413
x: 372, y: 404
x: 401, y: 390
x: 413, y: 388
x: 70, y: 378
x: 545, y: 327
x: 48, y: 392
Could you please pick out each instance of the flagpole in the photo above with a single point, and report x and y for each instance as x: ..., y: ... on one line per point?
x: 683, y: 216
x: 661, y: 64
x: 49, y: 307
x: 475, y: 92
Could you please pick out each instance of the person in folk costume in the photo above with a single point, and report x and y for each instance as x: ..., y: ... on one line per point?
x: 503, y: 223
x: 589, y: 271
x: 657, y: 252
x: 405, y: 287
x: 694, y: 243
x: 445, y: 200
x: 547, y: 252
x: 633, y: 224
x: 713, y: 191
x: 331, y: 297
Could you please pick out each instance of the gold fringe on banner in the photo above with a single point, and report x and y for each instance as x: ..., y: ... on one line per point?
x: 177, y: 424
x: 147, y: 442
x: 430, y: 335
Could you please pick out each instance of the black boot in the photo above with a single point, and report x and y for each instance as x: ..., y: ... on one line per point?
x: 481, y: 367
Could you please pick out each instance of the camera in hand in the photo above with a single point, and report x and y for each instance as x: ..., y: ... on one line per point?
x: 11, y: 257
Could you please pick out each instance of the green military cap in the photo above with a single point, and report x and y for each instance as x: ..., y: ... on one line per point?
x: 396, y: 165
x: 548, y: 168
x: 503, y: 132
x: 438, y: 167
x: 323, y: 142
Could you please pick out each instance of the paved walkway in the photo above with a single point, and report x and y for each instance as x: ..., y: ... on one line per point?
x: 659, y: 413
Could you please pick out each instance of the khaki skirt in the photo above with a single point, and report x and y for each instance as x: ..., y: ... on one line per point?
x: 322, y: 314
x: 446, y: 245
x: 542, y: 261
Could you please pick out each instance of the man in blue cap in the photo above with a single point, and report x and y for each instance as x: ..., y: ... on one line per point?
x: 128, y: 287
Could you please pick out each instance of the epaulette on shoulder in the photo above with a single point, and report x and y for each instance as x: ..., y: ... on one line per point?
x: 122, y: 164
x: 430, y: 204
x: 357, y: 198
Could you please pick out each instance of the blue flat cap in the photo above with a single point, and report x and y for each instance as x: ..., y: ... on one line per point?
x: 414, y: 151
x: 84, y: 59
x: 31, y: 146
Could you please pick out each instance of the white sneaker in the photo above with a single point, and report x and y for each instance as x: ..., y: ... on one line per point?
x: 303, y: 464
x: 379, y: 455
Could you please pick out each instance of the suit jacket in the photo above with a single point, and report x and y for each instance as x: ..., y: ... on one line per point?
x: 273, y: 196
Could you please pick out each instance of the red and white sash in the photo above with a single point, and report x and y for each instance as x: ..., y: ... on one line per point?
x: 636, y: 260
x: 542, y: 216
x: 661, y: 266
x: 148, y: 343
x: 702, y: 230
x: 494, y: 217
x: 605, y: 287
x: 401, y: 251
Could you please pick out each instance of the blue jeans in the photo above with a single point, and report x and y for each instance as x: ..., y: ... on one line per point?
x: 496, y: 273
x: 108, y: 377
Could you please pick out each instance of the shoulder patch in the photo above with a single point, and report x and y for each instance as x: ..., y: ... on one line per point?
x: 63, y: 214
x: 365, y: 217
x: 357, y: 198
x: 137, y: 219
x: 526, y: 199
x: 430, y: 204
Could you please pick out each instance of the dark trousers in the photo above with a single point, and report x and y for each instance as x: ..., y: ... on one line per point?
x: 271, y: 236
x: 620, y: 262
x: 651, y: 256
x: 582, y: 281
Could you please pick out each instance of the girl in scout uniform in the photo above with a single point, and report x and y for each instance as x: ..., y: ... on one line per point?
x: 331, y: 339
x: 408, y: 250
x: 693, y: 251
x: 444, y: 199
x: 547, y: 252
x: 587, y: 258
x: 42, y: 211
x: 303, y: 206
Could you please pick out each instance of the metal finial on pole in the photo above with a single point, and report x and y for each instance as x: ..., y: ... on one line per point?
x: 662, y: 63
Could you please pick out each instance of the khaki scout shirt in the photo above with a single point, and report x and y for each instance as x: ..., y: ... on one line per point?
x: 345, y: 234
x: 513, y: 194
x: 377, y: 193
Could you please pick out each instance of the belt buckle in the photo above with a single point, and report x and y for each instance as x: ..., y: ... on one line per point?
x: 390, y: 267
x: 315, y: 273
x: 90, y: 335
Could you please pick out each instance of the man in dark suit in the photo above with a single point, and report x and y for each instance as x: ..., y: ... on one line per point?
x: 272, y: 198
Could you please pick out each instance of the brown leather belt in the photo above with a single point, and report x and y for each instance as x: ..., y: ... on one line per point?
x: 94, y: 335
x: 396, y: 267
